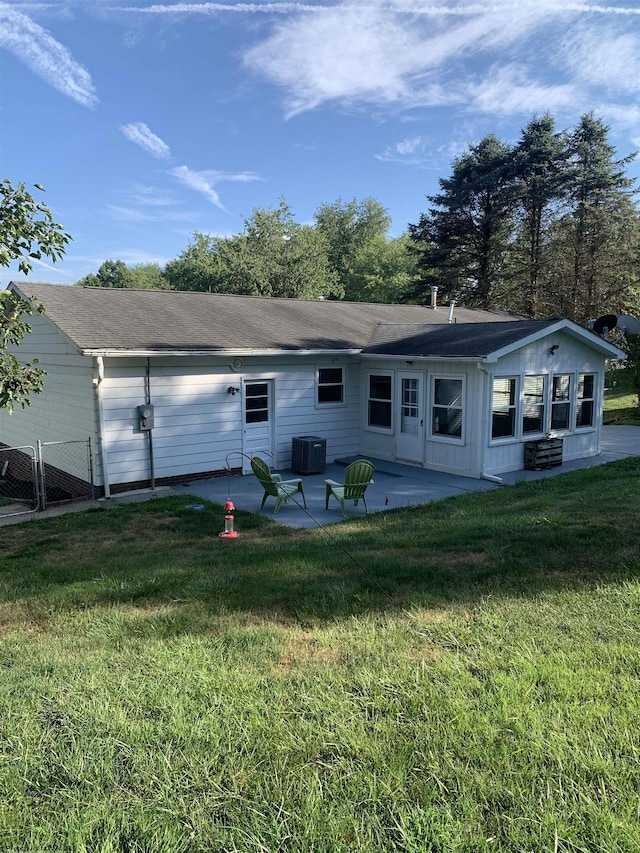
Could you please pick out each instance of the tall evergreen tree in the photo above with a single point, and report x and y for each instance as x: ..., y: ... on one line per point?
x: 599, y: 201
x: 540, y: 183
x: 463, y: 240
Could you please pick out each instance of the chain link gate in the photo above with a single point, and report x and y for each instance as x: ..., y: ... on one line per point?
x: 65, y: 470
x: 18, y: 481
x: 53, y: 472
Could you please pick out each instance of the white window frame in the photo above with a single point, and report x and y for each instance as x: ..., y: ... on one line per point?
x: 506, y: 439
x: 325, y: 404
x: 570, y: 402
x: 593, y: 400
x: 546, y: 385
x: 368, y: 398
x: 437, y: 436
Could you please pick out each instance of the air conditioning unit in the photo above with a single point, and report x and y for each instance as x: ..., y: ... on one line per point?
x: 308, y: 454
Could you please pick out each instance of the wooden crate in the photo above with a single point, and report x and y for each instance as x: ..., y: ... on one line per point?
x: 542, y: 454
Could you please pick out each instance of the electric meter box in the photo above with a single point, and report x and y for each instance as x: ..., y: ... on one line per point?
x: 145, y: 417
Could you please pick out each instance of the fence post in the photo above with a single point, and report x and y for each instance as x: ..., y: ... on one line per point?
x: 93, y: 485
x: 41, y: 488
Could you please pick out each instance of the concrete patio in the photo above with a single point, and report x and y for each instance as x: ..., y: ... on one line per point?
x: 394, y: 485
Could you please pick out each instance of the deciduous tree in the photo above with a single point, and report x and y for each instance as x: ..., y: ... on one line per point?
x: 27, y: 233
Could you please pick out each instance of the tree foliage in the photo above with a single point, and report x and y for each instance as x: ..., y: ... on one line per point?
x: 464, y: 236
x: 381, y: 271
x: 18, y: 380
x: 27, y: 229
x: 118, y: 274
x: 547, y: 226
x: 272, y: 256
x: 27, y: 233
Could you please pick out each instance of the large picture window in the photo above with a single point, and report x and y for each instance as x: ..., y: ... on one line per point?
x: 503, y: 407
x: 330, y: 386
x: 379, y: 402
x: 585, y: 402
x: 446, y: 408
x: 561, y: 401
x: 533, y: 405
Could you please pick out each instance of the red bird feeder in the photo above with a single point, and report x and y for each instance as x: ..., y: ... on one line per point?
x: 229, y: 532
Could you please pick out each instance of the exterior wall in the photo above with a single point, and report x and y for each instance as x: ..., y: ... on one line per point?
x: 198, y: 424
x: 571, y: 357
x: 441, y: 453
x: 65, y: 410
x: 476, y: 453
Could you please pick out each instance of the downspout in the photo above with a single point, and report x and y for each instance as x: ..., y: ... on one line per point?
x: 147, y: 386
x: 101, y: 427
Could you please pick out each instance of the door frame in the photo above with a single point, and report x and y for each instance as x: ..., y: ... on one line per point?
x: 420, y: 441
x: 270, y: 452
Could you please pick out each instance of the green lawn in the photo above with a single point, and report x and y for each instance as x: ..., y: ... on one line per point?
x: 463, y: 676
x: 620, y: 399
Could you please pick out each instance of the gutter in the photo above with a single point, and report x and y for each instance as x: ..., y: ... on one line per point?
x: 459, y: 359
x: 97, y: 384
x: 235, y: 353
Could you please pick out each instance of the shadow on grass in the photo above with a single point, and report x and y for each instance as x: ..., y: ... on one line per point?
x: 574, y: 530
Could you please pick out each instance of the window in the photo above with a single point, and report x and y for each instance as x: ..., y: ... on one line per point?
x: 330, y: 386
x: 379, y: 412
x: 446, y: 409
x: 256, y: 398
x: 503, y: 411
x: 533, y: 405
x: 561, y: 402
x: 585, y: 404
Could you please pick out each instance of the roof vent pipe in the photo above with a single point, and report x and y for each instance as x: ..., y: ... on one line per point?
x: 452, y: 305
x: 434, y: 298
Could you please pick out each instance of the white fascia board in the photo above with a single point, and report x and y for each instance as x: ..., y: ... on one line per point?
x: 568, y: 327
x: 459, y: 359
x: 226, y: 353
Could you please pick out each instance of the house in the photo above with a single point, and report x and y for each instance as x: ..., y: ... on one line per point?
x: 176, y: 385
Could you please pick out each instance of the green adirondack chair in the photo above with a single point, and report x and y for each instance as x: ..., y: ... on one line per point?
x: 357, y: 477
x: 274, y: 486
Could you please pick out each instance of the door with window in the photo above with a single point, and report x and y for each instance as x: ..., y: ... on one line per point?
x: 410, y: 432
x: 257, y: 423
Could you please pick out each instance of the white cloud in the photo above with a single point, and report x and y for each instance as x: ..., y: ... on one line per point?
x: 408, y: 152
x: 410, y: 54
x: 507, y: 90
x: 45, y: 56
x: 205, y: 182
x: 133, y: 214
x: 217, y: 8
x: 138, y: 133
x: 604, y: 57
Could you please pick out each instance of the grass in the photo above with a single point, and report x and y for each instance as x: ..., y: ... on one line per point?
x: 620, y: 399
x: 462, y: 676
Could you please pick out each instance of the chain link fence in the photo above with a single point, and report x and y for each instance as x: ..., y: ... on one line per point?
x: 53, y: 472
x: 18, y: 480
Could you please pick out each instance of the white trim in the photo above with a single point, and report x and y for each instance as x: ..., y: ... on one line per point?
x: 458, y: 441
x: 332, y: 404
x: 367, y: 398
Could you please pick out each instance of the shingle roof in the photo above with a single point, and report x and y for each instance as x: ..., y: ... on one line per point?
x: 458, y: 340
x: 105, y: 319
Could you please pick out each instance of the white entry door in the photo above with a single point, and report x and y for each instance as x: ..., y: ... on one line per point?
x: 258, y: 408
x: 410, y: 429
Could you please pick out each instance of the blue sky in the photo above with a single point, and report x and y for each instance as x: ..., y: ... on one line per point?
x: 148, y: 121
